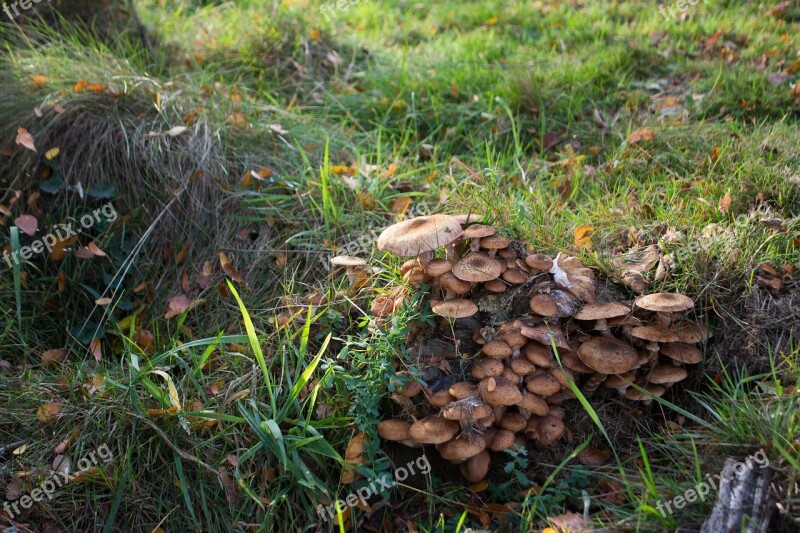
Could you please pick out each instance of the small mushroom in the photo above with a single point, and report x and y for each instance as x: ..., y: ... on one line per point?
x: 495, y: 285
x: 487, y: 367
x: 469, y: 409
x: 420, y: 236
x: 476, y: 467
x: 600, y: 312
x: 542, y: 383
x: 514, y: 276
x: 394, y: 430
x: 538, y: 354
x: 638, y: 396
x: 497, y: 348
x: 475, y: 232
x: 533, y: 404
x: 606, y: 355
x: 654, y: 335
x: 493, y: 243
x: 543, y: 305
x: 441, y: 398
x: 462, y: 389
x: 691, y: 332
x: 462, y: 448
x: 354, y: 265
x: 665, y: 304
x: 455, y: 308
x: 433, y: 430
x: 435, y: 269
x: 621, y: 382
x: 382, y: 306
x: 539, y: 262
x: 549, y: 430
x: 681, y: 352
x: 499, y: 392
x: 667, y: 375
x: 501, y: 440
x: 453, y: 286
x: 513, y: 422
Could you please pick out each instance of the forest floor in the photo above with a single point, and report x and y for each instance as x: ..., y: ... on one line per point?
x: 214, y: 178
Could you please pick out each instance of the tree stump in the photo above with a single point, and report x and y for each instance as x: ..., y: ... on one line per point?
x: 744, y: 502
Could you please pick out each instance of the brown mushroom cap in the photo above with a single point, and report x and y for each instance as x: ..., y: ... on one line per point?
x: 627, y: 320
x: 522, y: 367
x: 665, y: 302
x: 467, y: 409
x: 564, y: 377
x: 434, y: 430
x: 494, y: 242
x: 514, y: 276
x: 654, y: 334
x: 462, y: 389
x: 616, y: 381
x: 682, y: 352
x: 476, y: 231
x: 455, y: 308
x: 382, y: 306
x: 437, y: 267
x: 549, y: 430
x: 534, y: 404
x: 538, y: 354
x: 573, y: 362
x: 543, y: 305
x: 394, y: 430
x: 539, y: 262
x: 513, y: 422
x: 494, y: 285
x: 499, y: 391
x: 667, y: 374
x: 476, y: 467
x: 502, y: 440
x: 419, y: 235
x: 691, y: 332
x: 497, y: 348
x: 652, y: 388
x: 542, y: 383
x: 457, y: 286
x: 348, y: 261
x: 487, y: 367
x: 601, y: 310
x: 462, y: 448
x: 441, y: 398
x: 608, y: 355
x: 477, y: 267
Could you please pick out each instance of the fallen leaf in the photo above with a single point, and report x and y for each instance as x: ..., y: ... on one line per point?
x: 48, y: 412
x: 179, y: 304
x: 38, y: 81
x: 103, y: 301
x: 583, y: 237
x: 52, y: 153
x: 725, y: 203
x: 229, y: 269
x: 50, y: 357
x: 20, y: 450
x: 25, y: 139
x: 277, y: 128
x: 175, y: 131
x: 80, y: 85
x: 401, y: 204
x: 27, y: 223
x: 95, y: 250
x: 640, y: 135
x: 96, y: 348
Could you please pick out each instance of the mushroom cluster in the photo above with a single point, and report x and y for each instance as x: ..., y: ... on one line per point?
x: 526, y: 365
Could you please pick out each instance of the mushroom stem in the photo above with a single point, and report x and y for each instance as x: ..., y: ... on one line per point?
x: 450, y: 252
x: 653, y: 348
x: 590, y: 386
x: 425, y: 257
x: 475, y: 245
x: 602, y: 326
x: 664, y: 319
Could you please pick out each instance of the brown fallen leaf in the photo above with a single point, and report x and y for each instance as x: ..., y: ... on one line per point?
x: 96, y: 348
x: 47, y: 412
x: 583, y: 237
x: 179, y: 304
x: 51, y: 357
x: 25, y: 139
x: 229, y: 269
x: 640, y: 136
x: 725, y: 203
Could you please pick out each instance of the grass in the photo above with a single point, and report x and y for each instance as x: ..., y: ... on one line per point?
x: 237, y: 413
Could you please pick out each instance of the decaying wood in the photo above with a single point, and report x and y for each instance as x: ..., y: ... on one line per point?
x: 744, y: 502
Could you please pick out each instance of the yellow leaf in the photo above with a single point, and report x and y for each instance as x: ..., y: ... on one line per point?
x: 80, y: 85
x: 401, y: 205
x: 20, y: 450
x: 583, y: 237
x: 391, y: 170
x: 48, y: 412
x: 492, y: 21
x: 39, y: 80
x: 173, y: 392
x: 52, y: 153
x: 640, y: 135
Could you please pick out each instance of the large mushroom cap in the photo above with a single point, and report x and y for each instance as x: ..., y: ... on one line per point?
x: 434, y: 430
x: 544, y: 305
x: 654, y: 334
x: 665, y: 302
x: 683, y: 353
x: 495, y: 242
x: 477, y: 266
x: 608, y: 355
x: 418, y: 235
x: 691, y: 332
x: 455, y: 308
x: 462, y: 448
x: 600, y: 310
